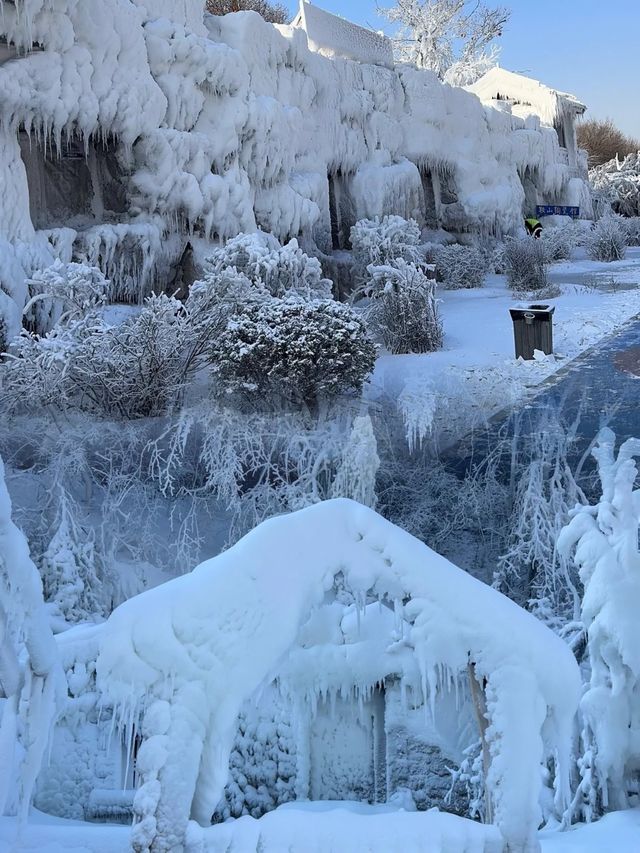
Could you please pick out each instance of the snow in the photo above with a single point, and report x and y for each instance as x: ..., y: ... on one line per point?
x: 476, y: 374
x: 333, y: 36
x: 529, y: 96
x: 186, y: 654
x: 351, y: 827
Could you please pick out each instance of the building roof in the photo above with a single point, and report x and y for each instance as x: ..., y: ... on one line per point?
x: 498, y: 84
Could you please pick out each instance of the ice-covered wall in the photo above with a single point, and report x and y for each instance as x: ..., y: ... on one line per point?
x: 189, y: 123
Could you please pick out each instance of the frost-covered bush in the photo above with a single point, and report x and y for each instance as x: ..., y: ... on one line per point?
x: 461, y: 266
x: 632, y: 230
x: 63, y: 291
x: 281, y: 269
x: 135, y: 369
x: 525, y: 262
x: 558, y: 242
x: 381, y: 241
x: 616, y: 185
x: 402, y: 308
x: 294, y: 350
x: 608, y: 240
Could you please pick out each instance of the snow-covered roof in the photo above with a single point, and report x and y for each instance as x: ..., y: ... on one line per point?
x: 498, y: 84
x: 333, y: 36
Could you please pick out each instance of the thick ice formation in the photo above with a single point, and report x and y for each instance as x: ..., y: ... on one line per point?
x: 142, y: 114
x: 31, y: 678
x: 605, y: 539
x: 188, y: 653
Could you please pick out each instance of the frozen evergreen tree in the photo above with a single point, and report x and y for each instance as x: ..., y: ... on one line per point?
x: 293, y: 350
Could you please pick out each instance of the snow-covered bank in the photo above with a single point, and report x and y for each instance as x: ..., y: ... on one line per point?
x: 476, y: 374
x: 331, y: 828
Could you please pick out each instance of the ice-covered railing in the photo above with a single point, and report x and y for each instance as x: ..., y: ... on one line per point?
x: 187, y: 654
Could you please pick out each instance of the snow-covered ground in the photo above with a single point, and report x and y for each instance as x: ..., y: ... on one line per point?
x: 331, y: 828
x: 476, y: 373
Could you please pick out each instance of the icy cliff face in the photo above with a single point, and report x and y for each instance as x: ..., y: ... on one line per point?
x: 146, y: 112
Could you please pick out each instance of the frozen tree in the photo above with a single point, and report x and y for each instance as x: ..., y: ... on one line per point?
x: 70, y: 570
x: 356, y: 474
x: 293, y: 350
x: 461, y: 266
x: 447, y: 36
x: 608, y: 240
x: 525, y: 262
x: 402, y: 308
x: 604, y: 142
x: 31, y: 679
x: 604, y: 541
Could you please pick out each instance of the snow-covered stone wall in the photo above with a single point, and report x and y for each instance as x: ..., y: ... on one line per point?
x: 158, y: 114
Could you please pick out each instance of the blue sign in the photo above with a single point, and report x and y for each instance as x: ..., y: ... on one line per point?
x: 557, y: 210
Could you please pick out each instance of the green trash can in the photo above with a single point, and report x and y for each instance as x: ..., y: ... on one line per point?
x: 532, y: 329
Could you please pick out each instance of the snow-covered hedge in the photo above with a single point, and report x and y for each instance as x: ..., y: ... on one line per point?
x: 281, y: 269
x: 295, y: 350
x: 461, y: 266
x: 525, y: 263
x: 608, y: 240
x: 402, y: 308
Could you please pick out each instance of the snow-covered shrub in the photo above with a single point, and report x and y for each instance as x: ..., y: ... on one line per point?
x: 608, y: 240
x: 281, y: 269
x: 402, y: 308
x: 632, y: 230
x: 381, y: 241
x: 558, y: 242
x: 63, y: 291
x: 461, y: 266
x: 135, y: 369
x: 525, y: 263
x: 294, y: 350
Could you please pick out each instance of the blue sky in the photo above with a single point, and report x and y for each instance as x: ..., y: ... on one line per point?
x: 590, y: 48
